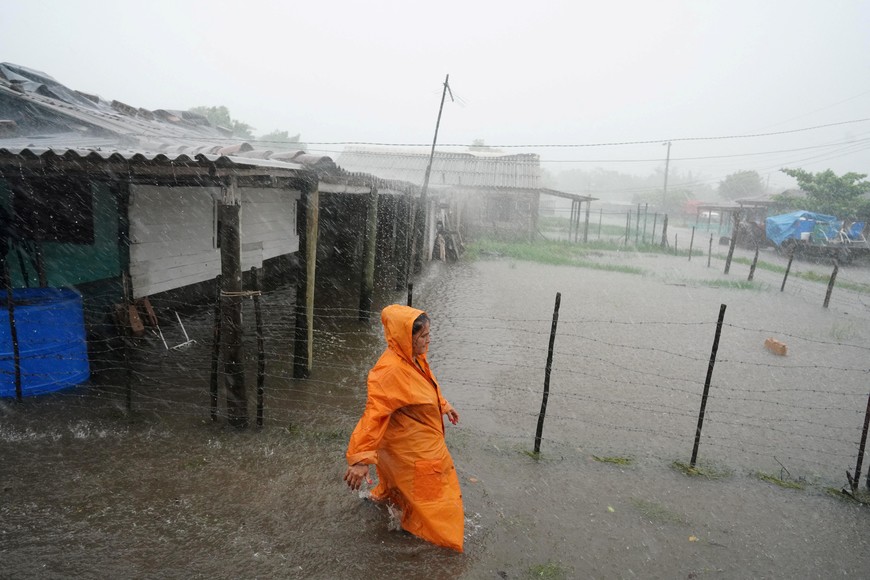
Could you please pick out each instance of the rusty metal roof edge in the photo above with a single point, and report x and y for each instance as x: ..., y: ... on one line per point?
x: 566, y: 195
x: 147, y: 157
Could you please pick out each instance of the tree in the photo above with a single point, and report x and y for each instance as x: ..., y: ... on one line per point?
x: 480, y: 145
x: 740, y: 184
x: 277, y: 136
x: 220, y: 116
x: 673, y: 204
x: 842, y: 196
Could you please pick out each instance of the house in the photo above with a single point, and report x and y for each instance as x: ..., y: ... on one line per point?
x: 475, y: 192
x: 95, y: 203
x: 123, y: 203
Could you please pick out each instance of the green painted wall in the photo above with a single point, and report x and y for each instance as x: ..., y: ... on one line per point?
x: 74, y: 264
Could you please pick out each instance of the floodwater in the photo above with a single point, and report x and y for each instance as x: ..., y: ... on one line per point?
x: 92, y: 489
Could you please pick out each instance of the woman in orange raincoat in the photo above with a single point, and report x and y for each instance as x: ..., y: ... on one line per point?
x: 401, y: 432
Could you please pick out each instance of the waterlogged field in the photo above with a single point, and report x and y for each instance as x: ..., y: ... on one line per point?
x: 91, y: 489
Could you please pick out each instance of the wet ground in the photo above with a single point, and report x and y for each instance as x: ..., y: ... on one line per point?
x: 90, y: 489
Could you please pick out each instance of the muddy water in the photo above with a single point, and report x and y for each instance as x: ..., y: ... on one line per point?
x: 92, y: 490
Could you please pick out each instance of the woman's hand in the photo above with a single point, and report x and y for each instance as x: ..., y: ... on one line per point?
x: 452, y: 415
x: 356, y: 474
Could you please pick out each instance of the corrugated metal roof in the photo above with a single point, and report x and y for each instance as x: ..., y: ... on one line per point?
x: 520, y: 171
x: 53, y: 120
x: 8, y: 156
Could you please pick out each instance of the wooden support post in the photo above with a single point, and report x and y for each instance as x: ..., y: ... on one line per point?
x: 577, y: 220
x: 665, y: 231
x: 307, y: 217
x: 691, y: 243
x: 707, y: 384
x: 410, y: 301
x: 369, y: 247
x: 128, y: 372
x: 418, y: 237
x: 547, y: 371
x: 600, y: 219
x: 405, y: 215
x: 121, y: 191
x: 627, y: 227
x: 261, y: 347
x: 571, y: 221
x: 645, y: 219
x: 13, y: 330
x: 652, y: 237
x: 710, y: 251
x: 577, y: 206
x: 586, y: 226
x: 637, y: 226
x: 215, y: 348
x: 831, y: 283
x: 231, y: 308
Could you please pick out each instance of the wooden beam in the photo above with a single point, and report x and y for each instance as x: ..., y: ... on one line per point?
x: 368, y: 273
x: 307, y: 219
x: 231, y: 306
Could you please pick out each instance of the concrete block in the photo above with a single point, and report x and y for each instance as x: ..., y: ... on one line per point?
x: 776, y: 347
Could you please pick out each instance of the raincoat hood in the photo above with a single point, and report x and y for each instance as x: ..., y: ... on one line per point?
x: 398, y: 324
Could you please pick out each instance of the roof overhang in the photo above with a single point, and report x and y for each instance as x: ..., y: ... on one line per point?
x: 107, y: 165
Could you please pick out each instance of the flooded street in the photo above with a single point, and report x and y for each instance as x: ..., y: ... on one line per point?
x: 92, y: 490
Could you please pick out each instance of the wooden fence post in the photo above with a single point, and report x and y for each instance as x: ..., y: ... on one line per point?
x: 547, y: 370
x: 754, y: 263
x: 707, y: 384
x: 854, y: 481
x: 831, y: 283
x: 787, y: 269
x: 733, y: 242
x: 691, y: 243
x: 710, y: 251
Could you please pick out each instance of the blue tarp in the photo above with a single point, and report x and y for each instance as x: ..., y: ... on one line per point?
x: 791, y: 225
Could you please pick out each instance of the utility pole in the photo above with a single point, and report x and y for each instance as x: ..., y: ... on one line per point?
x: 420, y: 228
x: 667, y: 164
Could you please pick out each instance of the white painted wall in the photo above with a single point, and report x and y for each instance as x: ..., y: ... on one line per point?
x: 173, y: 229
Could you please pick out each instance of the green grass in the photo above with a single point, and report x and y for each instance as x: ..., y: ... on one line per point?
x: 548, y: 571
x: 614, y: 460
x: 553, y: 253
x: 561, y: 253
x: 700, y: 471
x: 731, y: 284
x: 809, y: 276
x: 780, y: 482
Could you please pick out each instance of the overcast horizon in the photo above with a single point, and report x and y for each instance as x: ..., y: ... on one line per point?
x: 565, y: 80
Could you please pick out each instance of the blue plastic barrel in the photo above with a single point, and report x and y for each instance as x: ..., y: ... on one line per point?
x: 52, y: 348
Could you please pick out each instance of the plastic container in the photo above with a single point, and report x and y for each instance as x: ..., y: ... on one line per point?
x: 52, y: 346
x: 805, y: 236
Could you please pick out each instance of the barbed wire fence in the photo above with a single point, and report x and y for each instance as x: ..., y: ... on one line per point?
x: 615, y: 387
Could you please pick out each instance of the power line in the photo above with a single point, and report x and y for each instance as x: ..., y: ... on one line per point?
x: 603, y: 144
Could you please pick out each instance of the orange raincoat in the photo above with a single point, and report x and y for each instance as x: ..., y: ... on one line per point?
x: 401, y: 432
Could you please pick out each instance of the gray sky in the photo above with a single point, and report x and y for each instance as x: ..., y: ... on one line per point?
x: 523, y: 73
